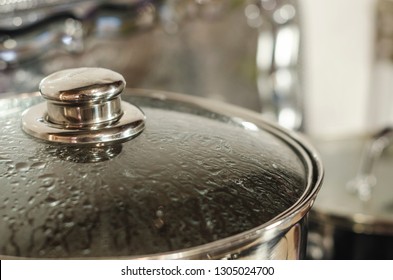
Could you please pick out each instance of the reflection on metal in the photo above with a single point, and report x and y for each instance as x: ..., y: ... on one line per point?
x: 277, y: 60
x: 30, y: 28
x: 64, y: 25
x: 41, y: 37
x: 83, y: 107
x: 384, y: 44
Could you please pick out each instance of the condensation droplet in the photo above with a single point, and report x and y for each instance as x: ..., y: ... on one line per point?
x: 22, y: 166
x: 160, y: 213
x: 3, y: 158
x: 31, y: 200
x: 69, y: 224
x: 87, y: 205
x: 52, y: 201
x: 48, y: 181
x: 14, y: 183
x: 38, y: 165
x: 21, y: 210
x: 209, y: 225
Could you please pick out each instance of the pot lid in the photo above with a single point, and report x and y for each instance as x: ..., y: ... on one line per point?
x: 357, y: 193
x: 191, y: 173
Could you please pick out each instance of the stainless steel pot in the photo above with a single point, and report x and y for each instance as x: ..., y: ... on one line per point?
x: 353, y: 215
x: 92, y: 176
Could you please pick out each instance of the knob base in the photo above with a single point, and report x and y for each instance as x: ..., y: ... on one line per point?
x: 128, y: 126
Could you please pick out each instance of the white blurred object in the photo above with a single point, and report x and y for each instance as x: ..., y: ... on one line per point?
x: 338, y: 55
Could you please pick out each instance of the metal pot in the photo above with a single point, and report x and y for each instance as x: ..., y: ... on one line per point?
x: 92, y: 176
x: 353, y: 215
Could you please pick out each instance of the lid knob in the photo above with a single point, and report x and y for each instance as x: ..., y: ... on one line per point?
x: 83, y: 107
x: 83, y: 97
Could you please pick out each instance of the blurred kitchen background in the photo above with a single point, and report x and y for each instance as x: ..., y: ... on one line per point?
x: 322, y: 67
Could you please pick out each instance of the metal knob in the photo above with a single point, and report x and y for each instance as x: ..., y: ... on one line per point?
x: 83, y: 107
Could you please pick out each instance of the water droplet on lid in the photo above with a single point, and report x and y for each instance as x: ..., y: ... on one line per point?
x: 52, y: 201
x: 31, y: 200
x: 4, y: 158
x: 238, y: 181
x: 38, y: 165
x: 14, y: 183
x: 160, y: 213
x: 87, y: 204
x: 46, y: 176
x: 69, y: 224
x: 22, y: 166
x: 48, y: 181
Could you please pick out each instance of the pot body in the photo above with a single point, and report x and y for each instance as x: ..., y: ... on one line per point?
x: 288, y: 244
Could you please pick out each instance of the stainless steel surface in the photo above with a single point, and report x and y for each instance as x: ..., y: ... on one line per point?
x: 365, y: 180
x: 189, y: 47
x: 278, y: 58
x: 83, y: 107
x: 189, y: 52
x: 208, y: 159
x: 344, y: 225
x: 17, y: 14
x: 83, y: 97
x: 28, y: 33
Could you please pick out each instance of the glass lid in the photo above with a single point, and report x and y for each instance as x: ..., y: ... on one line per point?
x: 194, y: 173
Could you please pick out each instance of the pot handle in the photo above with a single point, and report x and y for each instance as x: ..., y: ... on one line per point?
x: 364, y: 182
